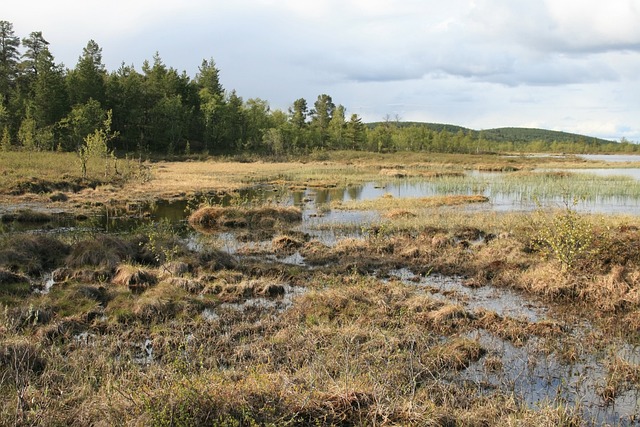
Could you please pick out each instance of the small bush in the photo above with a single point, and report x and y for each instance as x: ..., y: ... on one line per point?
x: 564, y: 236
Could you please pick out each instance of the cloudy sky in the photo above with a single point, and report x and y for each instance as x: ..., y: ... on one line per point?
x: 570, y: 65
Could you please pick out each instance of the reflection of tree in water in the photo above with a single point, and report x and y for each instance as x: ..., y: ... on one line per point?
x: 354, y: 192
x: 322, y: 196
x: 327, y: 195
x: 298, y: 197
x: 336, y: 194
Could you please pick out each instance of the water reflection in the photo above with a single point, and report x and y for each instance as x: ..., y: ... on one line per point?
x: 506, y: 192
x: 614, y: 158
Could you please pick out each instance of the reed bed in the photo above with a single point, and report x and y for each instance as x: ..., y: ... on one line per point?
x: 389, y: 202
x: 540, y: 186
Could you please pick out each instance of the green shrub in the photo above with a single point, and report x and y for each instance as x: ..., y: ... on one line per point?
x: 565, y: 236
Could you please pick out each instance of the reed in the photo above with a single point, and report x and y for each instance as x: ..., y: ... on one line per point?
x: 389, y: 203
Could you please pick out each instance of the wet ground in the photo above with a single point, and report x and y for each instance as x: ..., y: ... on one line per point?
x: 535, y: 370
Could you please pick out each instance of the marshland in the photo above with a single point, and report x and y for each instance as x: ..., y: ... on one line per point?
x: 355, y: 289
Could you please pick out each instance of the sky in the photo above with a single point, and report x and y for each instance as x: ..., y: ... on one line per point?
x: 567, y: 65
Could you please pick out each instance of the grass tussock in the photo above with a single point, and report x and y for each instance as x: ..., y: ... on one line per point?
x: 456, y: 354
x: 287, y: 243
x: 231, y: 340
x: 399, y: 213
x: 158, y: 304
x: 31, y: 254
x: 248, y: 289
x: 134, y: 277
x: 351, y: 350
x: 388, y: 203
x: 622, y: 376
x: 103, y: 251
x: 27, y: 216
x: 212, y: 217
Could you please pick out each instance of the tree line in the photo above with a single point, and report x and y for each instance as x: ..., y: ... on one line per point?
x: 46, y: 106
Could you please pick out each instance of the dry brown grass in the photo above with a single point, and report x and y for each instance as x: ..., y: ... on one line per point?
x: 212, y: 217
x: 455, y: 354
x: 390, y: 203
x: 393, y: 173
x: 351, y: 350
x: 286, y: 243
x: 134, y: 277
x: 102, y: 251
x: 447, y: 313
x: 399, y: 213
x: 159, y: 303
x: 31, y: 254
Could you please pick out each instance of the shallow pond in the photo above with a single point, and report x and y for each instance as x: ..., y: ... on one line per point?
x: 538, y: 370
x: 614, y: 158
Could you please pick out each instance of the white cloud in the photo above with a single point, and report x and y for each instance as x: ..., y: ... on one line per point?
x: 594, y: 25
x: 566, y: 64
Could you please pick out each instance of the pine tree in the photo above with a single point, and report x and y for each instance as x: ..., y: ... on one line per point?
x: 37, y: 47
x: 87, y: 80
x: 9, y: 44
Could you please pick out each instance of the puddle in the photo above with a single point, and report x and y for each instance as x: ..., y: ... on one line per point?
x: 47, y: 283
x: 145, y: 355
x: 613, y: 158
x: 534, y: 371
x: 504, y: 302
x: 293, y: 259
x: 279, y: 304
x: 504, y: 193
x: 537, y: 376
x: 84, y: 338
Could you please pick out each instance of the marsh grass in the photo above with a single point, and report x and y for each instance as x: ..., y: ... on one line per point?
x: 19, y: 166
x: 49, y: 172
x: 134, y: 277
x: 621, y: 376
x: 390, y: 203
x: 102, y: 251
x: 31, y: 254
x: 213, y: 342
x: 351, y: 350
x: 212, y: 217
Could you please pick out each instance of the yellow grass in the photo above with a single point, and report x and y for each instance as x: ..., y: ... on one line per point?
x: 386, y: 202
x: 167, y: 179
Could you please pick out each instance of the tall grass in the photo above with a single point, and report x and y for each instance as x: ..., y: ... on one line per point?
x: 538, y: 186
x: 55, y: 167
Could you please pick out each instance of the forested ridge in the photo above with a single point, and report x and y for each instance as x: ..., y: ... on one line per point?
x: 46, y: 106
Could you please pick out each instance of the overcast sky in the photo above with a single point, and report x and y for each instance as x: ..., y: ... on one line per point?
x: 570, y: 65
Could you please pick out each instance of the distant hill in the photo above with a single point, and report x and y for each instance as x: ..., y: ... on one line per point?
x: 508, y: 134
x: 438, y: 127
x: 532, y: 134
